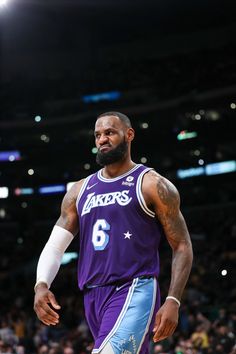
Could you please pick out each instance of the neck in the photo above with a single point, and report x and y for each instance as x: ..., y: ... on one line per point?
x: 117, y: 169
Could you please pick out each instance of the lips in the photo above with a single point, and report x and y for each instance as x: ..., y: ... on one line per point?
x: 104, y: 148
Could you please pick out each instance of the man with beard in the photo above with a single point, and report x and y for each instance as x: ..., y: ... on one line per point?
x: 119, y: 213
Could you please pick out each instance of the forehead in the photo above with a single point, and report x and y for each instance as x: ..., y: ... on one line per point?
x: 107, y: 122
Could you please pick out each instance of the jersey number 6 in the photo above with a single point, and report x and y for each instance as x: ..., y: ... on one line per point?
x: 100, y: 238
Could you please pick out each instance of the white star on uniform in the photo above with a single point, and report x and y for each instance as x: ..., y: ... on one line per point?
x: 127, y: 234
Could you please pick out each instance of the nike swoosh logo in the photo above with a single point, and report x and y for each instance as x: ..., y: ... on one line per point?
x: 120, y: 287
x: 89, y: 187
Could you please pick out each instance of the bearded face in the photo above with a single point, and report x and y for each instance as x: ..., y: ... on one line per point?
x: 112, y: 155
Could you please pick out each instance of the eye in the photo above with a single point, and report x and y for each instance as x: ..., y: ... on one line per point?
x: 110, y: 132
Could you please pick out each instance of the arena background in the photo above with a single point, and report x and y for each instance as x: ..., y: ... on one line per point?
x: 168, y: 65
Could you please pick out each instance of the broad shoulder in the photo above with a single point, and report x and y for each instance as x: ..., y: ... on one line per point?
x: 73, y: 192
x: 159, y: 190
x: 69, y: 218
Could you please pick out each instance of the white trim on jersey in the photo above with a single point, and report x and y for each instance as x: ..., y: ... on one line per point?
x: 140, y: 194
x: 109, y: 180
x: 83, y: 187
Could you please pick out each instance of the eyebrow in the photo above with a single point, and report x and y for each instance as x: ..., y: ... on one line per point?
x: 110, y: 128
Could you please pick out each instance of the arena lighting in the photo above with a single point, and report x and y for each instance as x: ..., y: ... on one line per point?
x: 30, y: 172
x: 201, y: 162
x: 68, y: 257
x: 209, y: 170
x: 59, y: 188
x: 45, y: 138
x: 190, y: 172
x: 184, y: 134
x: 3, y: 3
x: 2, y: 213
x: 212, y: 115
x: 37, y: 119
x: 196, y: 152
x: 23, y: 191
x: 10, y: 155
x: 105, y: 96
x: 143, y: 159
x: 87, y: 166
x: 220, y: 167
x: 4, y: 192
x: 144, y: 125
x: 224, y: 272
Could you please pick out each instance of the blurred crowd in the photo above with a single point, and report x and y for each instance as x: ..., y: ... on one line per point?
x: 207, y: 321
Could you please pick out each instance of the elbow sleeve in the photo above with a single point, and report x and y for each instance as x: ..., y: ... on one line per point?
x: 51, y: 256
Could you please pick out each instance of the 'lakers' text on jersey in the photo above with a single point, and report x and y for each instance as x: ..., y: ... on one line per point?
x: 119, y: 234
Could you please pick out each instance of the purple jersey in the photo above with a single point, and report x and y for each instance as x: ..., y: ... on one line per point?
x: 119, y: 234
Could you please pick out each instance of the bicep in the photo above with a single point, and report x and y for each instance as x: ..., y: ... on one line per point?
x: 69, y: 217
x: 167, y: 208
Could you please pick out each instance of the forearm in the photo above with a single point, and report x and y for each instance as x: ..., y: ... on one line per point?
x: 48, y: 265
x: 50, y: 258
x: 182, y: 258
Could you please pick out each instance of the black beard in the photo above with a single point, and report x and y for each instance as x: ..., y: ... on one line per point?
x: 112, y: 156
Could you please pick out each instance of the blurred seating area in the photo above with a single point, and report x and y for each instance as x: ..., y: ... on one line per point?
x: 207, y: 321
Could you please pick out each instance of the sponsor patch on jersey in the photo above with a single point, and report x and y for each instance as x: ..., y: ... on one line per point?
x: 125, y: 183
x: 128, y: 181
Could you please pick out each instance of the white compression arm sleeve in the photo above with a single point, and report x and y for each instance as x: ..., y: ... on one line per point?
x: 51, y: 256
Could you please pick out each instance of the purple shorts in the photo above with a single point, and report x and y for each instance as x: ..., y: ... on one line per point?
x: 122, y: 315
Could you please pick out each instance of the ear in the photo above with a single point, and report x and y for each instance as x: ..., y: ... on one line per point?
x: 130, y: 134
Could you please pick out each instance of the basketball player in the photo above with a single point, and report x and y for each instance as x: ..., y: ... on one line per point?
x: 118, y: 213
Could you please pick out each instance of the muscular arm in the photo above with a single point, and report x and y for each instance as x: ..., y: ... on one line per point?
x: 167, y: 208
x: 163, y: 197
x: 50, y: 259
x: 62, y: 234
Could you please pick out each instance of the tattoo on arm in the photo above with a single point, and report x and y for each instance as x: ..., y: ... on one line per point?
x: 170, y: 215
x: 177, y: 235
x: 68, y: 218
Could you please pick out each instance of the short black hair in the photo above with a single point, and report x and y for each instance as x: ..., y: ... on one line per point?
x: 123, y: 118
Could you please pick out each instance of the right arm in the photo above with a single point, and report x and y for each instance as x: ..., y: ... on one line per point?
x: 66, y: 228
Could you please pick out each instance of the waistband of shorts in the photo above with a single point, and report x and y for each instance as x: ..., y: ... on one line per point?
x: 117, y: 282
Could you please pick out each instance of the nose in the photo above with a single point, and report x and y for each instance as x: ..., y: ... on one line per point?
x: 103, y: 139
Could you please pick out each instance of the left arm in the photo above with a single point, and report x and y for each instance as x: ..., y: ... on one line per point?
x: 164, y: 198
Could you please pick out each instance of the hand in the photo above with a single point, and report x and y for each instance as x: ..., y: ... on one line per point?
x: 166, y: 320
x: 42, y: 301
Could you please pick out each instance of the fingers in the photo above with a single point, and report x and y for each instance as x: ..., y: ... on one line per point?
x: 165, y: 330
x: 157, y: 323
x: 43, y: 308
x: 46, y: 314
x: 48, y: 319
x: 53, y: 301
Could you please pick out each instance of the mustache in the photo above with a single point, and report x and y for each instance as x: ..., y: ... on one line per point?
x: 104, y: 145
